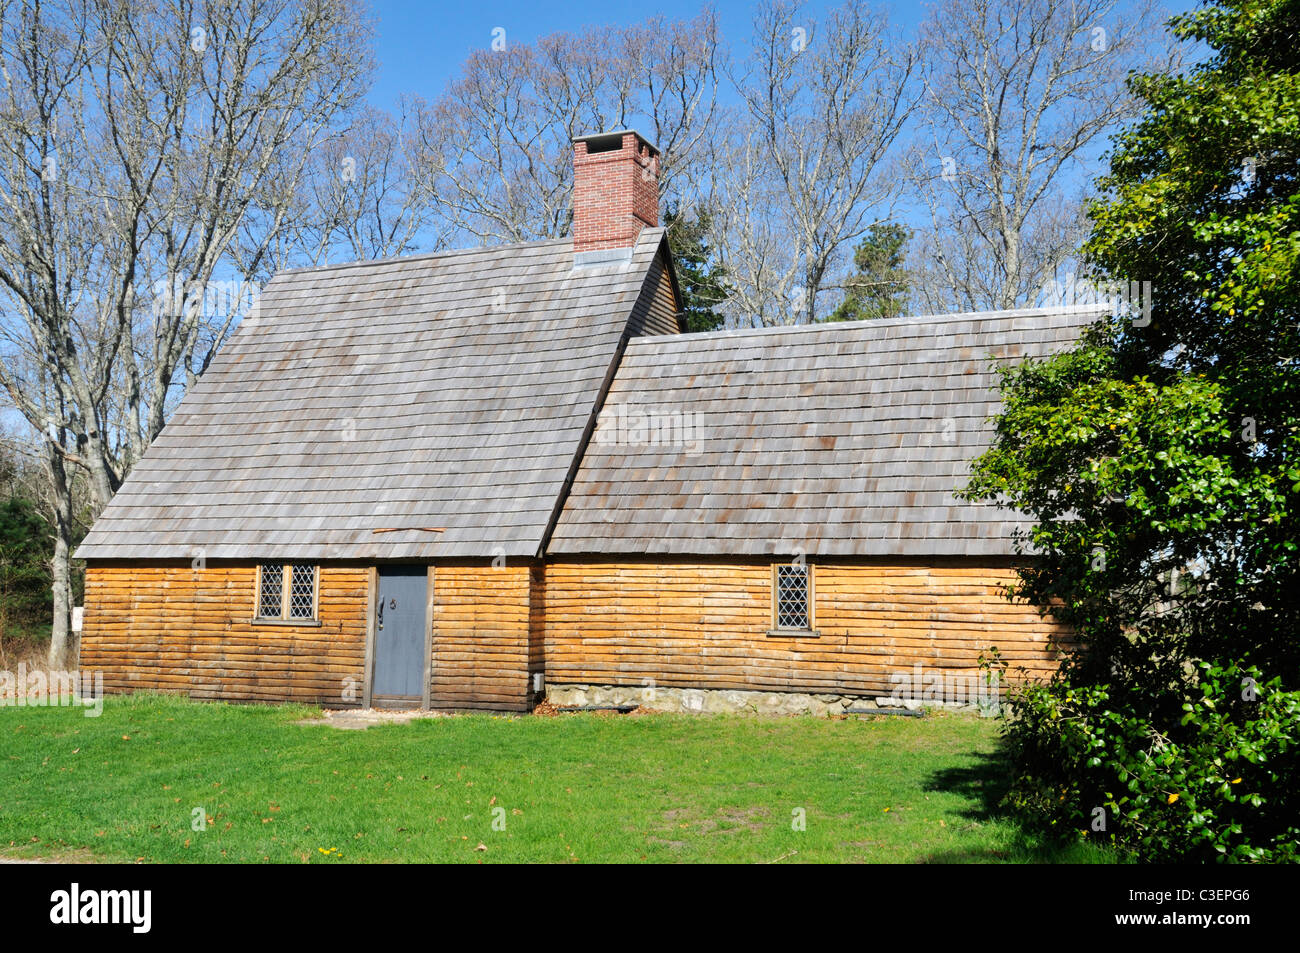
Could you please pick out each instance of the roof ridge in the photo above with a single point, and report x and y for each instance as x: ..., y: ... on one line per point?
x: 444, y: 253
x: 884, y: 322
x: 421, y: 256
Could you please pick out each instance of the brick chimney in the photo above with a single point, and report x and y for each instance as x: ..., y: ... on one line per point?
x: 615, y: 191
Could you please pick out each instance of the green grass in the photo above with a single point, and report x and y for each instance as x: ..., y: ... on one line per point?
x: 586, y: 788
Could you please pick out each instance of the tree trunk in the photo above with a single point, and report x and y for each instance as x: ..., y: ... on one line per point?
x: 62, y: 649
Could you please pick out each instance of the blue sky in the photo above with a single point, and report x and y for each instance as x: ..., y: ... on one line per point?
x: 420, y: 45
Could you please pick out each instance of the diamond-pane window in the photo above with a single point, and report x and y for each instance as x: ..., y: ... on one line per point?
x: 271, y: 596
x: 286, y: 592
x: 302, y: 592
x: 792, y: 598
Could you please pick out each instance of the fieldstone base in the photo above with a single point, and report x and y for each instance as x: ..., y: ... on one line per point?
x: 714, y: 701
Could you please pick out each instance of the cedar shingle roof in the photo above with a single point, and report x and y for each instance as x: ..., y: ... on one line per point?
x: 448, y: 390
x: 837, y: 439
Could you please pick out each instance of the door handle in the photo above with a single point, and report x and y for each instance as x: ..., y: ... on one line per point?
x: 381, y: 613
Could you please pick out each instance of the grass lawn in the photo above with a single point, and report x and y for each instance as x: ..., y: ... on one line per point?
x: 590, y: 788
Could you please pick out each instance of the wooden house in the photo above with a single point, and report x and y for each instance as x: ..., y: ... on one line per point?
x: 465, y: 479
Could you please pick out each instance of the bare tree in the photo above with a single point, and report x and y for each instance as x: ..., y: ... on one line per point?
x: 136, y: 137
x: 1018, y: 95
x: 46, y: 254
x: 805, y: 171
x: 500, y: 136
x: 259, y: 85
x: 371, y: 191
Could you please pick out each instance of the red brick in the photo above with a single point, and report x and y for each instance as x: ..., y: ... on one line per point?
x: 615, y: 194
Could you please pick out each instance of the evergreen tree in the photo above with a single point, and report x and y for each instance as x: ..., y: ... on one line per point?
x: 879, y: 286
x: 702, y: 280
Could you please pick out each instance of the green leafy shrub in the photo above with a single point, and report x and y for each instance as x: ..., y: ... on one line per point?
x: 1159, y: 465
x: 1223, y: 785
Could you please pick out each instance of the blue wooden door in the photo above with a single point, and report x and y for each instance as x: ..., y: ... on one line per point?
x: 401, y: 629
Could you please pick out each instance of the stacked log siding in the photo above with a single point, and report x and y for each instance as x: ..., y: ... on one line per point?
x: 480, y: 657
x: 706, y: 625
x: 179, y: 629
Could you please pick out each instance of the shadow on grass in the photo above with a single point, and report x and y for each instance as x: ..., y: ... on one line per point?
x: 983, y: 785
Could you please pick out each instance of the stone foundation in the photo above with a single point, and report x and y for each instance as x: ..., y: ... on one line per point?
x: 708, y: 701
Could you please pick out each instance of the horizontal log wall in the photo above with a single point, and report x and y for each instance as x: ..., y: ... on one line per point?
x: 189, y: 630
x: 679, y: 625
x: 704, y: 626
x: 481, y: 645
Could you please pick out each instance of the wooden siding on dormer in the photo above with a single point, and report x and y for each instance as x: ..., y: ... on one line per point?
x: 658, y: 313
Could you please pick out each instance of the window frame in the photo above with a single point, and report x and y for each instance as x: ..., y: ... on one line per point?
x: 778, y: 631
x: 286, y: 595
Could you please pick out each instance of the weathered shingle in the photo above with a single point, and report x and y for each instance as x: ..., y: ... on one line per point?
x: 832, y: 439
x: 447, y: 390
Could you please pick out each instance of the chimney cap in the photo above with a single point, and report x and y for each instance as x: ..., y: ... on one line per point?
x: 612, y: 139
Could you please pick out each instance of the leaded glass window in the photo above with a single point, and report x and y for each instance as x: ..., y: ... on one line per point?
x: 271, y: 595
x: 302, y: 591
x: 286, y: 592
x: 793, y: 597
